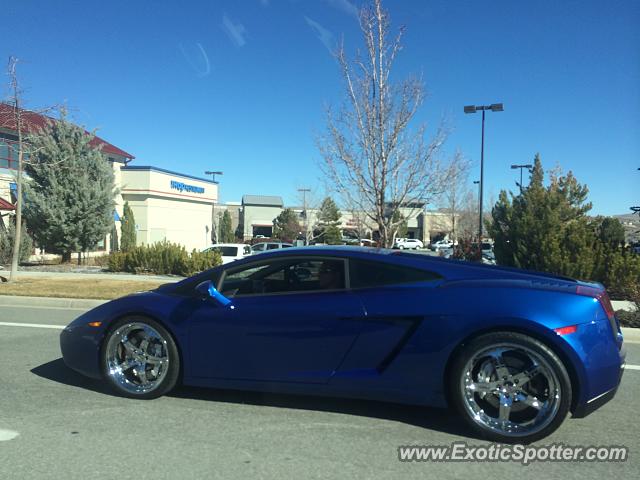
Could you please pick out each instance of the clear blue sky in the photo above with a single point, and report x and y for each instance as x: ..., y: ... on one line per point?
x: 240, y: 86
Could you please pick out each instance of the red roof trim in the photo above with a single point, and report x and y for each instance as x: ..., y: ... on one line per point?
x: 4, y: 205
x: 35, y: 121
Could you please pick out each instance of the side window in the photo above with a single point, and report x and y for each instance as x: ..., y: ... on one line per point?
x: 365, y: 274
x: 272, y: 246
x: 242, y: 282
x: 287, y: 276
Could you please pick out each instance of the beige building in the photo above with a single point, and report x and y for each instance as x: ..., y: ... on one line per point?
x: 169, y: 205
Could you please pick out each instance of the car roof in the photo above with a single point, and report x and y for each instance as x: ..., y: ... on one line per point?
x: 229, y: 245
x: 327, y: 250
x: 272, y: 243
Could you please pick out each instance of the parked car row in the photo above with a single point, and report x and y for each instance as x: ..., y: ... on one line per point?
x: 236, y: 251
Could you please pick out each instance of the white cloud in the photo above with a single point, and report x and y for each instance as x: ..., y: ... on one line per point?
x: 325, y: 36
x: 235, y: 31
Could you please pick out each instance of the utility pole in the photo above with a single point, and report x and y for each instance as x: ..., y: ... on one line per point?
x: 306, y: 214
x: 214, y: 230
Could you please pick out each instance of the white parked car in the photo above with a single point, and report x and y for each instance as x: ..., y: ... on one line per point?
x: 411, y: 243
x: 230, y: 251
x: 441, y: 245
x: 264, y: 246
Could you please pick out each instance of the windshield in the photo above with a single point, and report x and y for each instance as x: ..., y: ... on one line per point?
x: 227, y: 251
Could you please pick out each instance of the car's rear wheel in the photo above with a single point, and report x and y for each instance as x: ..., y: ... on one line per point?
x: 140, y: 358
x: 510, y: 387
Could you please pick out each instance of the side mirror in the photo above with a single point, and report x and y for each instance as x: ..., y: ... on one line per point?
x: 207, y: 289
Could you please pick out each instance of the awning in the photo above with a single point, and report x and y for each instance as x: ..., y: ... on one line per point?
x: 4, y: 205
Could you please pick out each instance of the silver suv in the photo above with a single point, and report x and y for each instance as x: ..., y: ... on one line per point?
x: 264, y: 246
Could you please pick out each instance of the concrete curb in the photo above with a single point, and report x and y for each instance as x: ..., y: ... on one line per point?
x: 631, y: 334
x: 18, y: 301
x: 623, y: 305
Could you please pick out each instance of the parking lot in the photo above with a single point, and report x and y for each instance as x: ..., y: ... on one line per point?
x: 57, y: 424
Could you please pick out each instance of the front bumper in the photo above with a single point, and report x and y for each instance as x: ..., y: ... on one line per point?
x: 80, y: 347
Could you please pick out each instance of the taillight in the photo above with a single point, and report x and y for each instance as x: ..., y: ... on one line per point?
x: 566, y: 330
x: 602, y: 297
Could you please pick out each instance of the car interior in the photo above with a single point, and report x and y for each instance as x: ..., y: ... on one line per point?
x: 285, y: 277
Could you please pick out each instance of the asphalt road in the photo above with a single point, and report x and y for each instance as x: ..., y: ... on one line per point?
x: 56, y: 424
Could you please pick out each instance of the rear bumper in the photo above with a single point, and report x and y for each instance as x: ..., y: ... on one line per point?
x: 601, y: 355
x: 592, y: 405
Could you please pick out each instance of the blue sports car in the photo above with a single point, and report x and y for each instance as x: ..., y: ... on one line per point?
x: 513, y: 351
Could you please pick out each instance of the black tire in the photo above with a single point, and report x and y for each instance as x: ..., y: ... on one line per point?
x: 120, y: 382
x: 459, y: 393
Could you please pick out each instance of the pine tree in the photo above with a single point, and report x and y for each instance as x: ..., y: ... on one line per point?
x: 69, y: 199
x: 128, y: 229
x: 610, y: 231
x: 7, y: 235
x: 226, y: 231
x: 545, y: 228
x: 329, y: 221
x: 286, y: 226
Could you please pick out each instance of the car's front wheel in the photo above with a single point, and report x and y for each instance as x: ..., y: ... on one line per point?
x: 510, y: 387
x: 140, y: 358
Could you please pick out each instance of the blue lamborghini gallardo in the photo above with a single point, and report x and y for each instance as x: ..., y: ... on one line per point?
x: 512, y: 351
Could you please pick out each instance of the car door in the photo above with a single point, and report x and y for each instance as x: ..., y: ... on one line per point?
x: 285, y: 324
x: 396, y: 299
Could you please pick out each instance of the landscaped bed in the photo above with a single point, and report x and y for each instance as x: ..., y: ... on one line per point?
x: 92, y: 288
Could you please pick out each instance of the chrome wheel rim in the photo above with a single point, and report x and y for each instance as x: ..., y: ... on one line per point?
x: 510, y: 389
x: 137, y: 357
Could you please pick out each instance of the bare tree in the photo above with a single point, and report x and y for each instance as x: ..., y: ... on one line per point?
x: 18, y: 119
x: 374, y: 159
x: 455, y: 190
x: 15, y: 96
x: 468, y: 219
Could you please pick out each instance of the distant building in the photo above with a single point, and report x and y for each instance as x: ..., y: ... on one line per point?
x: 258, y: 213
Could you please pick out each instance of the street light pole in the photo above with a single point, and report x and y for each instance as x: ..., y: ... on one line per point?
x: 214, y: 230
x: 527, y: 166
x: 494, y: 107
x: 306, y: 214
x: 481, y: 185
x: 637, y: 208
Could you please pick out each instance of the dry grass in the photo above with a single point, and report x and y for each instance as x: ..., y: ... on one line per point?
x: 94, y: 288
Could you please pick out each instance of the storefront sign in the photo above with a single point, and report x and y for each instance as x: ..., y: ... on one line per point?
x: 183, y: 187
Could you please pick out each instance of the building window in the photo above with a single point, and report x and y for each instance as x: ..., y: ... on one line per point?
x: 101, y: 246
x: 8, y: 154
